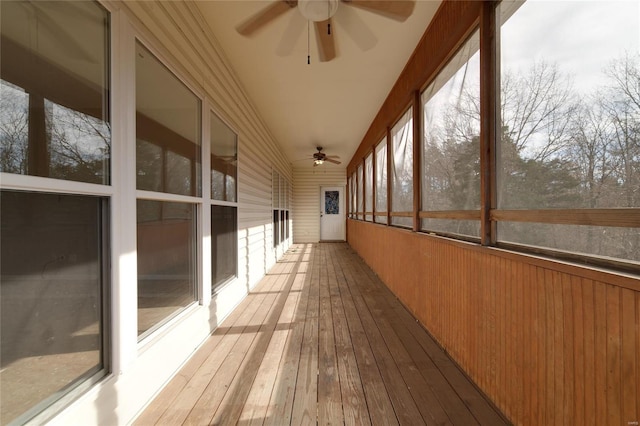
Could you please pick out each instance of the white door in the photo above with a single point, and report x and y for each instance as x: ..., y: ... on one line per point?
x: 332, y: 215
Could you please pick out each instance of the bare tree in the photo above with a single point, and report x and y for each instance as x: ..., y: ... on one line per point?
x: 535, y: 107
x: 14, y: 129
x: 623, y: 107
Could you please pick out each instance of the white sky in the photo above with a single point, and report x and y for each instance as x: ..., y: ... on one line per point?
x: 582, y: 36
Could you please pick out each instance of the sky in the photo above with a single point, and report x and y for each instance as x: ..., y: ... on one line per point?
x: 581, y: 36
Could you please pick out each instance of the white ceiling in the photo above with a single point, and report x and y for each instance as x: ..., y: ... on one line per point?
x: 330, y: 104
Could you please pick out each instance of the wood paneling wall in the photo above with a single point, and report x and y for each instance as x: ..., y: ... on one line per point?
x: 548, y: 342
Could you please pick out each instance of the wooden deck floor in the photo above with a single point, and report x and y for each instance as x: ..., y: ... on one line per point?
x: 320, y: 341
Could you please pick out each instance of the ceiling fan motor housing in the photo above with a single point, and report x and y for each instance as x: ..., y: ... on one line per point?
x: 318, y: 10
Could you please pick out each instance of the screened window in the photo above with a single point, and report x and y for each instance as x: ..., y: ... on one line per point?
x: 381, y: 182
x: 451, y: 144
x: 281, y: 204
x: 368, y: 187
x: 224, y: 188
x: 54, y: 94
x: 54, y: 123
x: 224, y: 244
x: 168, y: 153
x: 167, y: 130
x: 224, y: 161
x: 166, y: 261
x: 570, y: 112
x: 359, y: 192
x: 402, y: 170
x: 354, y: 196
x: 53, y: 288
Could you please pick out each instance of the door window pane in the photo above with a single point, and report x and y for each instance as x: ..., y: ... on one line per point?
x: 52, y: 290
x: 167, y: 129
x: 166, y: 261
x: 331, y: 202
x: 224, y: 244
x: 54, y: 90
x: 224, y: 161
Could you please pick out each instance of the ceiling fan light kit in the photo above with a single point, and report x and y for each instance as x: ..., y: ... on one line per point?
x: 320, y: 157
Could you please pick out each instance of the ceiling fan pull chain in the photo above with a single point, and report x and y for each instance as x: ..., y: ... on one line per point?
x: 328, y: 18
x: 308, y: 53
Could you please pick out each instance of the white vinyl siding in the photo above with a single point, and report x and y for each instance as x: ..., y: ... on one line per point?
x: 177, y: 33
x: 306, y: 199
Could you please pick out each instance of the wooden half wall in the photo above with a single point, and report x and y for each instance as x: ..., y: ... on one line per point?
x: 549, y: 342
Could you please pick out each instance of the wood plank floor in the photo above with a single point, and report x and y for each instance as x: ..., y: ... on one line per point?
x: 320, y: 341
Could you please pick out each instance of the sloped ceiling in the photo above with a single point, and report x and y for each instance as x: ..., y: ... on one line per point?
x: 328, y: 104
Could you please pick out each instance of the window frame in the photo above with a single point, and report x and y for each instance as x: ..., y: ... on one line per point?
x: 109, y: 199
x: 209, y: 288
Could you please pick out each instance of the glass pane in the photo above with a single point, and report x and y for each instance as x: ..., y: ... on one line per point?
x: 450, y: 226
x: 224, y: 161
x: 54, y: 90
x: 166, y: 261
x: 570, y: 105
x: 149, y: 159
x: 368, y: 186
x: 451, y: 141
x: 276, y: 228
x: 402, y: 168
x: 224, y: 244
x: 167, y: 117
x: 354, y: 196
x: 360, y: 196
x: 282, y: 225
x: 451, y: 134
x: 331, y: 202
x: 570, y: 110
x: 51, y: 313
x: 618, y: 243
x: 381, y: 180
x: 181, y: 172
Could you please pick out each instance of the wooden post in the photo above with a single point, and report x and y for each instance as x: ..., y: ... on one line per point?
x: 417, y: 173
x: 389, y: 159
x: 489, y: 94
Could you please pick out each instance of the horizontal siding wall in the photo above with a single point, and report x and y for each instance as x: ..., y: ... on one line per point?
x: 550, y: 343
x: 181, y: 30
x: 306, y: 199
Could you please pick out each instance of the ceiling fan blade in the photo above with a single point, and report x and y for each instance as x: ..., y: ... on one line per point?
x: 399, y: 10
x: 326, y: 45
x: 332, y: 156
x: 352, y: 24
x: 332, y: 160
x: 291, y: 35
x: 265, y: 16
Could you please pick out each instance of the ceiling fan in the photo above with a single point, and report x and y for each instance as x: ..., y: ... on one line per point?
x: 321, y: 12
x: 320, y: 157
